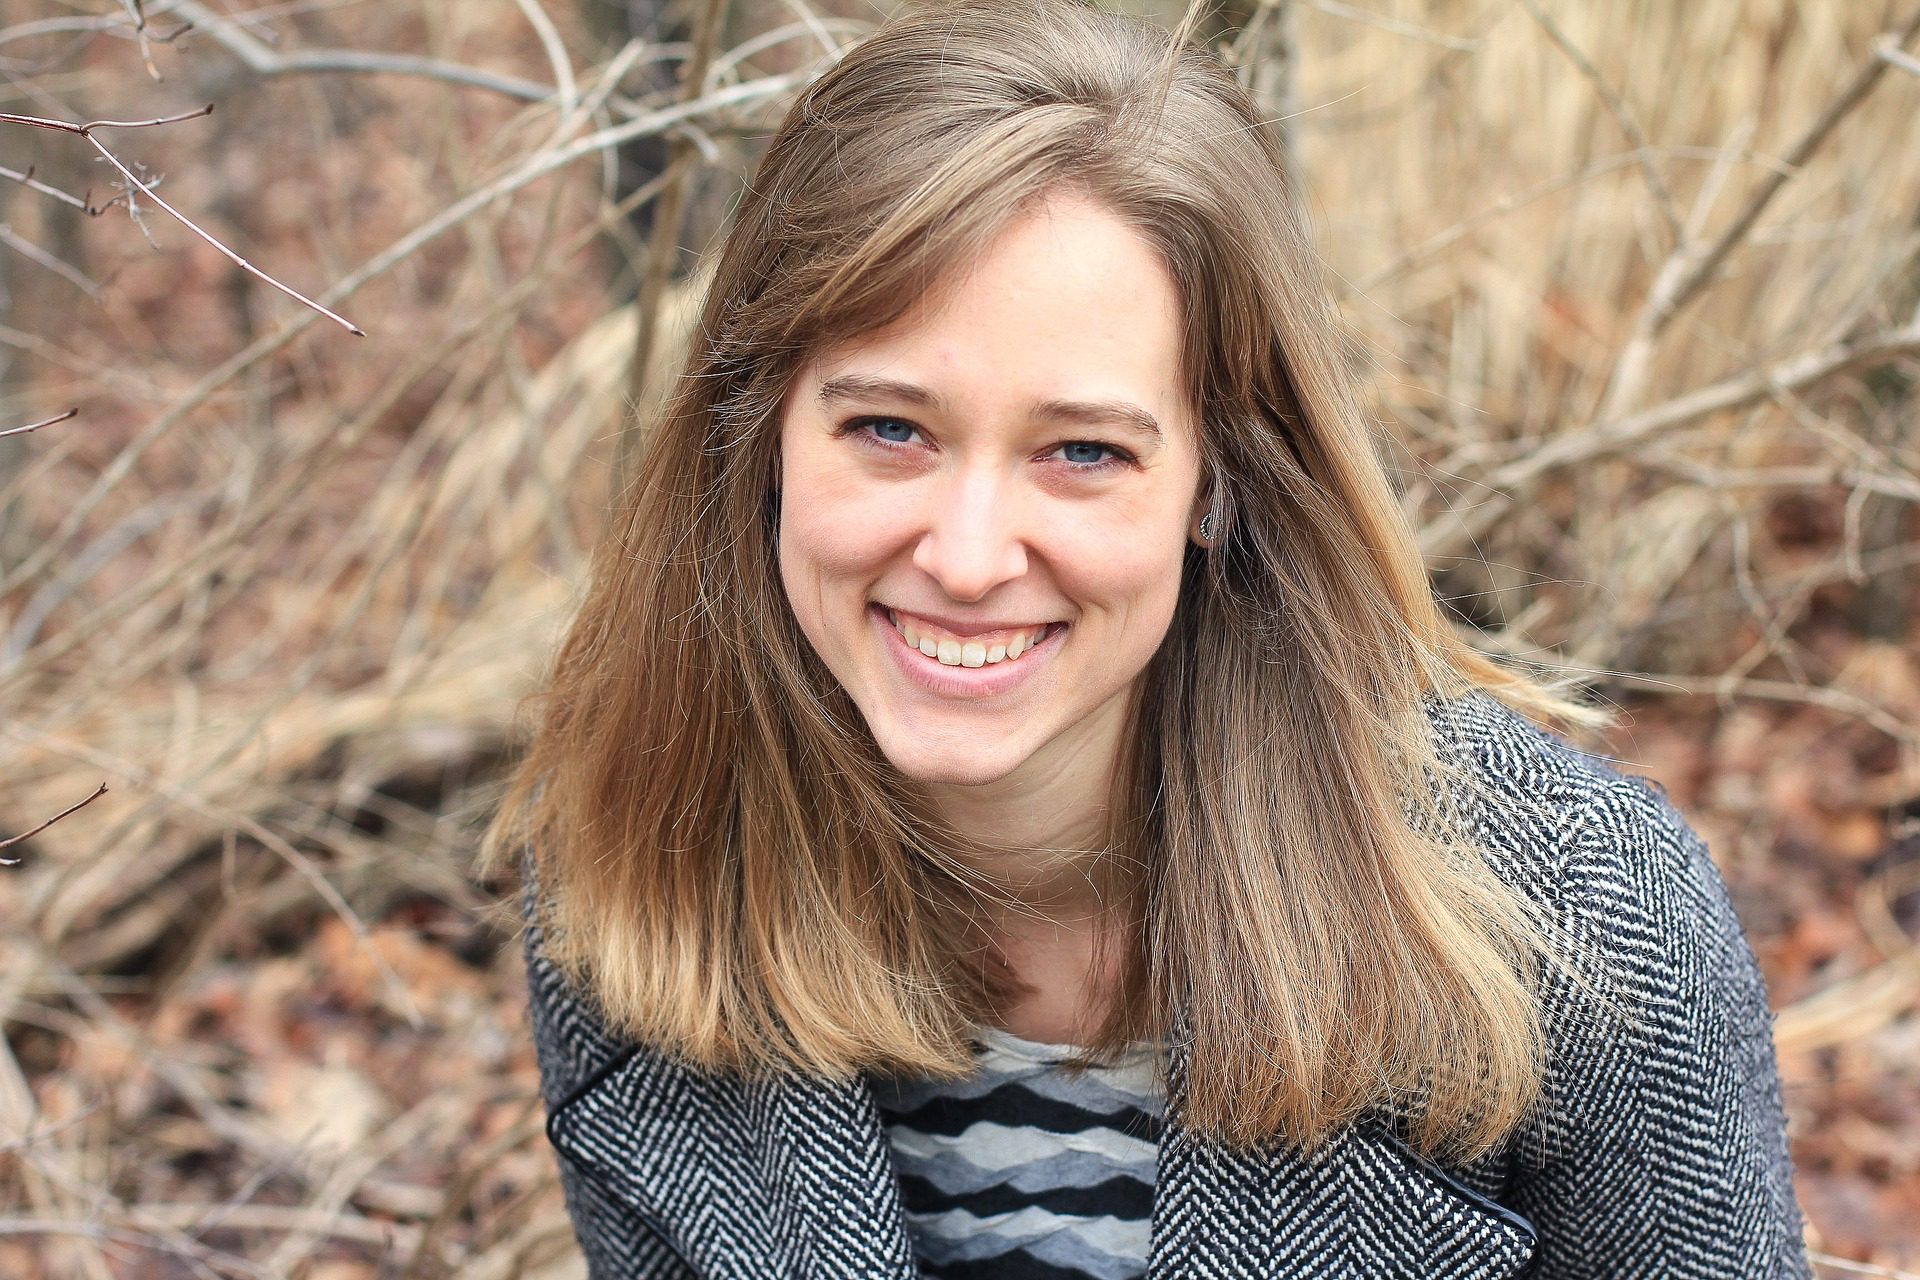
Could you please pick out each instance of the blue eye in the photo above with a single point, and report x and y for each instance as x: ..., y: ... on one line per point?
x: 892, y: 430
x: 886, y: 434
x: 1086, y: 452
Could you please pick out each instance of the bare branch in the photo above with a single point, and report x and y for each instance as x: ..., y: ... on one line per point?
x: 531, y: 170
x: 1896, y: 56
x: 1610, y: 438
x: 1454, y: 44
x: 1691, y: 267
x: 821, y: 29
x: 82, y: 129
x: 668, y: 213
x: 28, y: 180
x: 40, y: 257
x: 1850, y: 97
x: 828, y: 45
x: 55, y: 26
x: 35, y: 426
x: 1617, y: 107
x: 1517, y: 200
x: 262, y: 60
x: 1793, y: 374
x: 566, y: 88
x: 146, y: 189
x: 1726, y: 687
x: 1835, y: 1263
x: 137, y: 11
x: 10, y: 841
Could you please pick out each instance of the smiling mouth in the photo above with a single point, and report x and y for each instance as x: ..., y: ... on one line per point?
x: 986, y: 649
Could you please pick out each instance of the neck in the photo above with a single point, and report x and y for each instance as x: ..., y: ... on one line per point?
x: 1040, y: 834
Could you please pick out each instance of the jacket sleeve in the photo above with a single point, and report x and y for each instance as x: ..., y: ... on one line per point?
x: 1660, y: 1150
x: 574, y: 1048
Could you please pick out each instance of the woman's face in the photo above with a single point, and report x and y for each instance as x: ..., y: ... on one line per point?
x: 984, y: 507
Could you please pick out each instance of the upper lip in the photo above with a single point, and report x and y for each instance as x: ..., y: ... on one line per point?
x: 966, y: 626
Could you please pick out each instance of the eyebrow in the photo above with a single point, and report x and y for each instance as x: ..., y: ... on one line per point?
x: 859, y: 386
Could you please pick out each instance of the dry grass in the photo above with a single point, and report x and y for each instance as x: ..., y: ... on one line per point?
x: 280, y: 588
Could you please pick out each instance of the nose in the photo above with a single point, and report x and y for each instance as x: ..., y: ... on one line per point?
x: 973, y: 541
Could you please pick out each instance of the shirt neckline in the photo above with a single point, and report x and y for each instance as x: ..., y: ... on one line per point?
x: 1047, y: 1052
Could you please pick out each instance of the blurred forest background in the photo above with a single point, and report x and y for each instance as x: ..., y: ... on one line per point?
x: 1637, y: 286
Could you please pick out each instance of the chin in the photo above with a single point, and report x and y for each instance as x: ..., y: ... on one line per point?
x: 956, y: 764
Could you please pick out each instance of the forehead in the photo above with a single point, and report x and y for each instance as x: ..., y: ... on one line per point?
x: 1067, y: 306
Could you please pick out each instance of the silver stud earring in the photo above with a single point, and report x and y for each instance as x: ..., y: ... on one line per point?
x: 1208, y: 523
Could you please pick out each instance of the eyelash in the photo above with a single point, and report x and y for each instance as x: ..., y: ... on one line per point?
x: 1117, y: 457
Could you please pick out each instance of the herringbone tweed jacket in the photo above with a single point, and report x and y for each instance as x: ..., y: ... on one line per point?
x: 1661, y: 1150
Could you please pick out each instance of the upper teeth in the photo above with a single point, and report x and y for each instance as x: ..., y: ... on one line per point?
x: 953, y: 650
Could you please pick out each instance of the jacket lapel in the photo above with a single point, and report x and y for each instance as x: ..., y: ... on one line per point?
x: 791, y: 1177
x: 1363, y: 1204
x: 826, y: 1161
x: 745, y: 1180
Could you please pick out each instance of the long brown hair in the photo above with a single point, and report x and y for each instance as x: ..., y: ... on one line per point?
x: 732, y: 869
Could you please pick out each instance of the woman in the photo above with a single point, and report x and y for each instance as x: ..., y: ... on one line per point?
x: 1010, y: 804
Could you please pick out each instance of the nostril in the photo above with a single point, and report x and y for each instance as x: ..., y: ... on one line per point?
x: 969, y: 564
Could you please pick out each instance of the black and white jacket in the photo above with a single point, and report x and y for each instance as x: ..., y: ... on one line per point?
x: 1661, y: 1151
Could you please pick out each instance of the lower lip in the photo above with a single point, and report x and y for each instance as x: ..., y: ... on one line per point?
x: 963, y: 682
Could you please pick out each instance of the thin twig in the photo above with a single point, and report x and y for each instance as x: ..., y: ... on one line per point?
x: 1796, y: 157
x: 1896, y: 56
x: 27, y: 179
x: 179, y: 794
x: 86, y: 131
x: 1792, y: 374
x: 56, y: 26
x: 1453, y: 44
x: 35, y: 426
x: 1235, y: 52
x: 1689, y: 269
x: 1517, y: 200
x: 260, y: 59
x: 663, y: 249
x: 1608, y: 439
x: 1725, y: 688
x: 1617, y: 107
x: 1859, y: 1268
x: 566, y: 89
x: 127, y: 380
x: 137, y: 11
x: 1714, y: 478
x: 531, y: 170
x: 723, y: 64
x: 828, y: 45
x: 29, y: 1138
x: 10, y: 841
x: 64, y: 126
x: 40, y: 257
x: 339, y: 1225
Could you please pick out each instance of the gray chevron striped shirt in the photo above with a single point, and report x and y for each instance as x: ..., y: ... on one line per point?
x: 1023, y: 1172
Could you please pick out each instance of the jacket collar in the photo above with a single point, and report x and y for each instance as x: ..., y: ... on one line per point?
x: 792, y: 1177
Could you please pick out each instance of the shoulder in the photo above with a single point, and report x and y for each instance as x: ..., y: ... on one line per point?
x: 1565, y: 826
x: 1517, y: 759
x: 571, y: 1037
x: 1652, y: 963
x: 1647, y: 946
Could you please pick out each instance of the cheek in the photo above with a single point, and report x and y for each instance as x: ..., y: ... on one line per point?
x: 830, y: 540
x: 1134, y: 579
x: 826, y: 536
